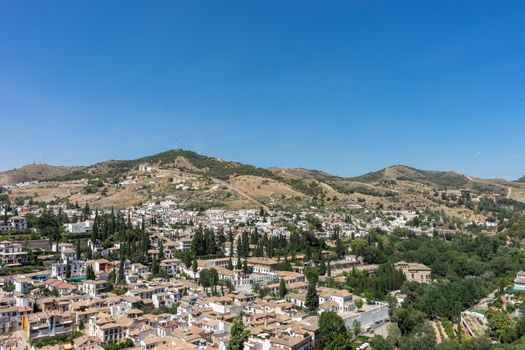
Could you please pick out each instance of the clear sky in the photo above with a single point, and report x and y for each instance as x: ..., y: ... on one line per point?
x: 346, y: 87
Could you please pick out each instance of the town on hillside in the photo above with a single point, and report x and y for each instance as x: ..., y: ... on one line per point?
x: 160, y: 276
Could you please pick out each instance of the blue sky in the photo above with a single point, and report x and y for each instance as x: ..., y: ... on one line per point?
x: 346, y: 87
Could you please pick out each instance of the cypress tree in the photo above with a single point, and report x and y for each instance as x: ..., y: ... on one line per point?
x: 90, y: 273
x: 282, y: 289
x: 194, y: 265
x: 322, y: 266
x: 245, y: 266
x: 79, y: 251
x: 68, y: 268
x: 312, y: 299
x: 161, y: 250
x: 121, y: 277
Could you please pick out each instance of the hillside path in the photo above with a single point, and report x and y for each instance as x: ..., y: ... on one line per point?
x: 241, y: 193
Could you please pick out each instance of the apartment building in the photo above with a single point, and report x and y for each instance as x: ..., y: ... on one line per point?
x: 41, y: 325
x: 12, y: 254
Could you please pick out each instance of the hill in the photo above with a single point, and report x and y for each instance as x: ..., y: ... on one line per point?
x: 174, y: 159
x: 449, y: 179
x: 440, y: 179
x: 198, y: 181
x: 34, y: 172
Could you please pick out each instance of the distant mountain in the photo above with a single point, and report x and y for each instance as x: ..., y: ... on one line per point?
x: 34, y: 172
x: 198, y: 180
x: 521, y: 179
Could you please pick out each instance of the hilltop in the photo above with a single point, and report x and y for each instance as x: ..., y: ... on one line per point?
x: 199, y: 181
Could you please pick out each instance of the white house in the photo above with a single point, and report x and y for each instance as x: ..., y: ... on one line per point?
x: 79, y: 227
x: 519, y: 282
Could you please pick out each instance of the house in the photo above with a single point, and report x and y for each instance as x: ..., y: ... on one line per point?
x: 164, y: 299
x: 338, y: 300
x: 16, y: 223
x: 101, y: 266
x: 139, y: 269
x: 41, y: 325
x: 68, y: 258
x: 95, y: 246
x: 87, y: 342
x: 519, y: 282
x: 414, y: 272
x: 262, y: 265
x: 22, y: 284
x: 68, y: 254
x: 11, y: 254
x: 183, y: 244
x: 79, y: 227
x: 145, y: 168
x: 171, y: 266
x: 105, y: 328
x: 93, y: 288
x: 236, y: 277
x: 280, y: 340
x: 59, y: 269
x: 298, y: 299
x: 63, y: 288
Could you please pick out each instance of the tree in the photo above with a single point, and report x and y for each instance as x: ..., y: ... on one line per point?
x: 312, y: 299
x: 394, y: 334
x: 94, y: 229
x: 380, y: 343
x: 238, y: 334
x: 330, y: 326
x: 230, y: 263
x: 68, y: 268
x: 502, y: 327
x: 322, y: 266
x: 238, y: 264
x: 121, y: 277
x: 478, y: 343
x: 448, y: 345
x: 245, y: 266
x: 359, y: 304
x: 356, y: 328
x: 79, y: 251
x: 112, y: 277
x: 339, y: 248
x: 341, y: 342
x: 194, y: 266
x: 282, y: 289
x: 90, y: 273
x: 161, y: 251
x: 407, y: 319
x: 422, y: 337
x: 520, y: 327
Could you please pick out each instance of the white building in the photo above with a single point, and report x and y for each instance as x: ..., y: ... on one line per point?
x: 79, y: 227
x: 16, y: 223
x: 519, y: 282
x: 11, y: 254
